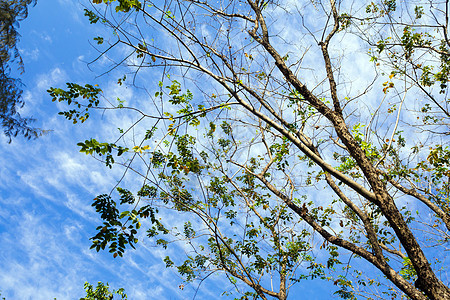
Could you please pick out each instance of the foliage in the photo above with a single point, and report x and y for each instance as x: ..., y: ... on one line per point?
x: 11, y: 12
x: 281, y: 162
x: 102, y: 292
x: 74, y: 91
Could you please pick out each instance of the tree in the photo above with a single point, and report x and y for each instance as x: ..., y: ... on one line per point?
x: 11, y: 12
x: 286, y: 162
x: 102, y: 292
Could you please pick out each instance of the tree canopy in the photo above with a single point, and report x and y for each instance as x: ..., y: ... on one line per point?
x: 102, y: 292
x: 289, y: 141
x: 11, y: 12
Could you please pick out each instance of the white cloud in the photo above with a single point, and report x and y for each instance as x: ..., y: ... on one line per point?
x: 56, y: 76
x: 30, y: 54
x: 46, y: 37
x: 37, y: 265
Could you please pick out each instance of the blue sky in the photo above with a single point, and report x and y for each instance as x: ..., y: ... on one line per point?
x: 46, y: 185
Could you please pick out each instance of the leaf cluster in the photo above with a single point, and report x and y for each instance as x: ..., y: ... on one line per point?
x: 13, y: 124
x: 75, y: 91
